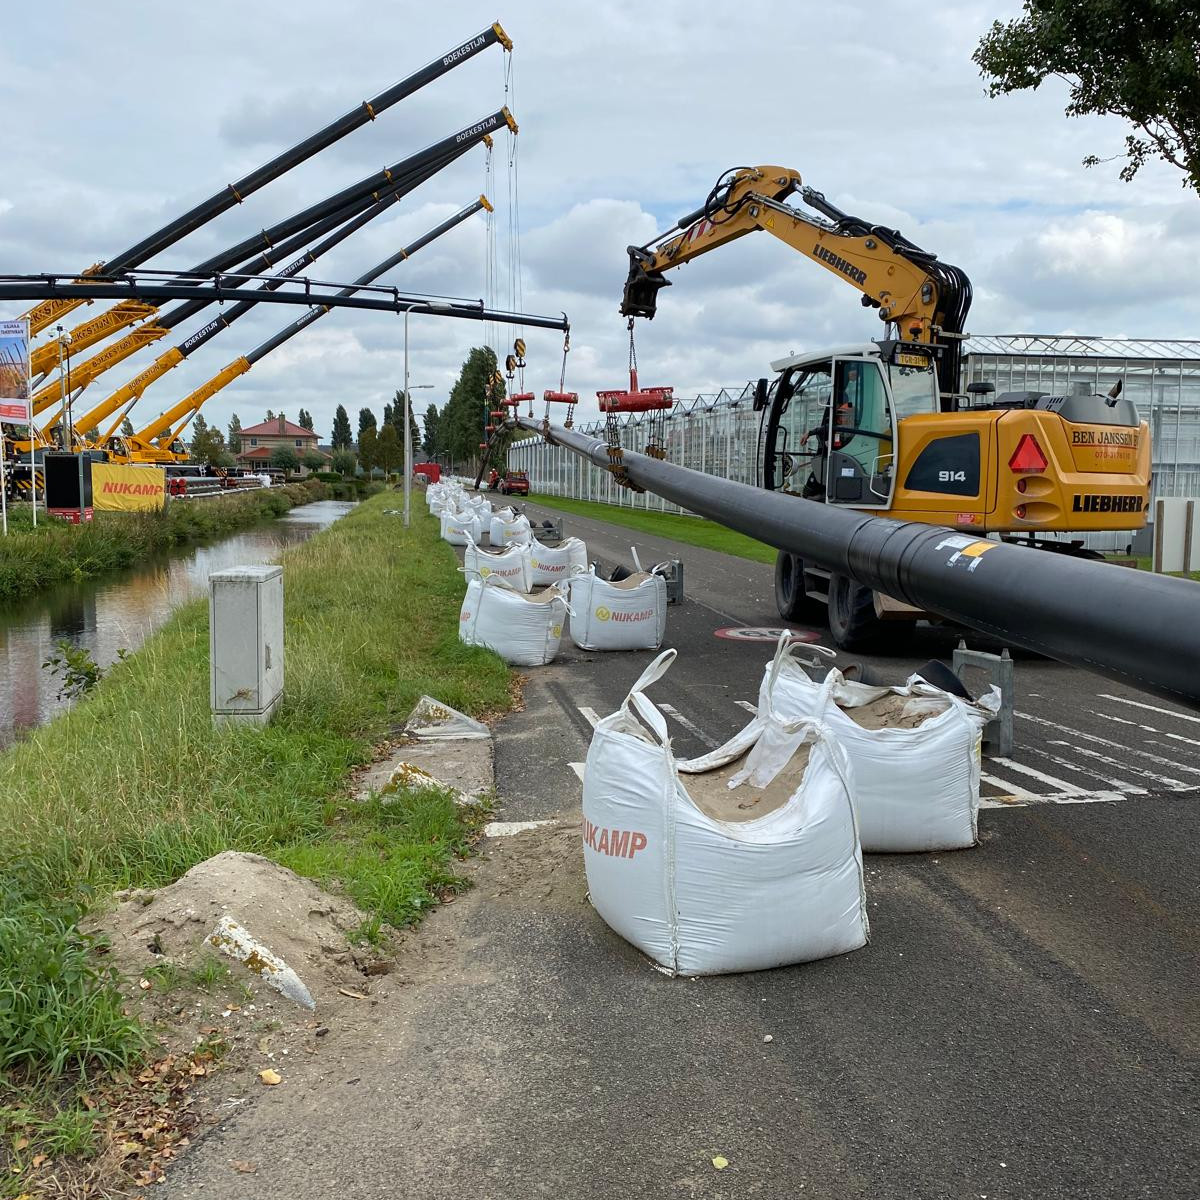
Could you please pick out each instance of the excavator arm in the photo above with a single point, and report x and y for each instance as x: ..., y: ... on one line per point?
x: 924, y: 299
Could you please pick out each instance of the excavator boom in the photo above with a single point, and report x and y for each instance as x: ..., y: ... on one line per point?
x: 926, y: 300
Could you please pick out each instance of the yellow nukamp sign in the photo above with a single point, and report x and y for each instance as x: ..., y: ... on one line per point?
x: 128, y: 489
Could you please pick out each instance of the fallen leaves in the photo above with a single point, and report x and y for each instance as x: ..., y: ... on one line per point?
x: 243, y: 1167
x: 270, y: 1077
x: 720, y: 1162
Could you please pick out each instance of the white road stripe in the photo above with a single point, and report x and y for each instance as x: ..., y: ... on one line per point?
x: 590, y: 715
x: 1059, y: 785
x: 578, y: 769
x: 689, y: 725
x: 1061, y: 798
x: 1125, y: 749
x: 1167, y: 712
x: 1011, y: 791
x: 1177, y: 737
x: 1118, y: 785
x: 1174, y: 784
x: 750, y: 708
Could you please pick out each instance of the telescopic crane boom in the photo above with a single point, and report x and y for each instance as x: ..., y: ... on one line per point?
x: 49, y: 311
x: 164, y: 429
x: 926, y: 300
x: 297, y: 231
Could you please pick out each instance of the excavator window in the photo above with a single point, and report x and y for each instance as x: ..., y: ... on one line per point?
x: 860, y: 438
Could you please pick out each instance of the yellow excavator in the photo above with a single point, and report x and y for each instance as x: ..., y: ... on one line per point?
x: 882, y: 426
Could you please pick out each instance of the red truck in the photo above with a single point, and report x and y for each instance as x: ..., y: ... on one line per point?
x: 511, y: 483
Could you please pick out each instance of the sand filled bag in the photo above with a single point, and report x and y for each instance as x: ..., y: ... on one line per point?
x: 460, y: 528
x: 504, y: 530
x: 630, y: 614
x: 712, y: 873
x: 513, y: 565
x: 525, y: 630
x: 554, y: 564
x: 915, y: 750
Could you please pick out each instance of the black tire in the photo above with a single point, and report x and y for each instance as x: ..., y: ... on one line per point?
x: 790, y: 600
x: 852, y: 619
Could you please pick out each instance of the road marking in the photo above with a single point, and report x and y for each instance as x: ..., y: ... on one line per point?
x: 1060, y: 786
x: 578, y: 769
x: 1176, y: 785
x: 1091, y: 737
x: 750, y: 708
x: 690, y: 726
x: 1167, y: 712
x: 1012, y: 791
x: 1178, y: 737
x: 589, y: 715
x: 1042, y: 798
x: 1067, y: 765
x: 498, y: 829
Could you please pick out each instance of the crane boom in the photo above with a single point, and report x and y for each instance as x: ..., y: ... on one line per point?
x: 925, y: 299
x: 234, y: 193
x: 296, y: 230
x: 141, y: 444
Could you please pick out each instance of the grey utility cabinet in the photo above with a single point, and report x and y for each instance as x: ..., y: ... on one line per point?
x: 245, y: 641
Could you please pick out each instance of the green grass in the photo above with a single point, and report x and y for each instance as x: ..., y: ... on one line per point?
x: 134, y: 785
x: 32, y: 559
x: 695, y: 531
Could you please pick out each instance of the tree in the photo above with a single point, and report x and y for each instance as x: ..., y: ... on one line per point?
x: 462, y: 420
x: 368, y: 444
x: 430, y: 443
x: 340, y: 438
x: 388, y: 416
x: 398, y: 415
x: 284, y: 457
x: 1136, y: 61
x: 343, y: 462
x: 388, y: 452
x: 313, y: 460
x: 365, y: 418
x: 305, y: 419
x: 270, y: 415
x: 127, y: 428
x: 208, y: 443
x: 235, y: 435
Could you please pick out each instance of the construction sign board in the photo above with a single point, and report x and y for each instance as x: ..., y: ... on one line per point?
x: 128, y: 489
x: 14, y: 371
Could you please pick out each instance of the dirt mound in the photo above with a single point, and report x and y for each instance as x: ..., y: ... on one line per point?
x: 301, y: 924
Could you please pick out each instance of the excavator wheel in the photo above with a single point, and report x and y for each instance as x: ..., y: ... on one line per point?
x: 790, y: 599
x: 852, y: 618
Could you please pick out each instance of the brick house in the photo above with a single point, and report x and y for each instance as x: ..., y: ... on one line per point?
x: 259, y: 442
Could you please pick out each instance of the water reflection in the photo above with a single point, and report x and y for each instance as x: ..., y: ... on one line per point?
x: 121, y: 611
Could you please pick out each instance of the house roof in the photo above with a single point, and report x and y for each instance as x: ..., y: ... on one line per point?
x: 266, y: 452
x: 279, y: 426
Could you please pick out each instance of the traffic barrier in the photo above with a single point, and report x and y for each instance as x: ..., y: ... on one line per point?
x: 707, y: 876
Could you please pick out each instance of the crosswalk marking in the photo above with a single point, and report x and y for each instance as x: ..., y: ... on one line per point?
x: 1066, y: 764
x: 1166, y: 712
x: 690, y: 726
x: 1177, y: 737
x: 1091, y: 737
x: 1174, y: 784
x: 1059, y: 785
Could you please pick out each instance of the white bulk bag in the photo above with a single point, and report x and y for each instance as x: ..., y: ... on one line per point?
x: 524, y: 630
x: 554, y: 563
x: 496, y: 524
x: 917, y: 788
x: 503, y: 531
x: 459, y: 528
x: 513, y: 565
x: 705, y: 894
x: 630, y: 614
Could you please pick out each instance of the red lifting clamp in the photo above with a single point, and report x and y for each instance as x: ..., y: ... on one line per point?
x: 497, y: 412
x: 518, y: 398
x: 560, y: 397
x: 636, y: 399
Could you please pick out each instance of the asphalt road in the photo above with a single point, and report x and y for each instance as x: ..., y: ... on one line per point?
x: 1024, y: 1022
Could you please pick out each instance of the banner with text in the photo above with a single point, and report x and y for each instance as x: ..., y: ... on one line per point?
x: 128, y: 489
x: 14, y: 371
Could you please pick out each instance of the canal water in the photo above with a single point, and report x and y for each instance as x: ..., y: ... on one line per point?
x: 118, y: 612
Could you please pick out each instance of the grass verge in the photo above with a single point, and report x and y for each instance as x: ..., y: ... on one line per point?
x: 134, y: 786
x: 694, y: 531
x: 32, y: 559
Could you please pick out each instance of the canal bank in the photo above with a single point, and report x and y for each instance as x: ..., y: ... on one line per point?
x: 33, y: 559
x: 119, y: 610
x: 133, y: 786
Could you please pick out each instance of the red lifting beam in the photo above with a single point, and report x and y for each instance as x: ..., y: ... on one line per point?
x: 498, y: 412
x: 560, y: 397
x: 519, y: 398
x: 635, y: 399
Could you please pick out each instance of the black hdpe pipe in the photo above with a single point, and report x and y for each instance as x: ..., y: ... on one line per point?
x: 1136, y: 627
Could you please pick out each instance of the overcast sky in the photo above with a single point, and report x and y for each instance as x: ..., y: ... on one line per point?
x: 117, y: 117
